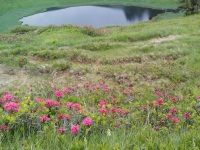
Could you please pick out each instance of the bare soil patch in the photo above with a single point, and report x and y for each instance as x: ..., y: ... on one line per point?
x: 169, y: 38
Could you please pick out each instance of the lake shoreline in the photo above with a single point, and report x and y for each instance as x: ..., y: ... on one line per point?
x: 10, y: 15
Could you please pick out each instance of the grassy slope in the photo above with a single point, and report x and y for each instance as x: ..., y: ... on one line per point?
x: 12, y: 11
x: 148, y: 55
x: 174, y: 57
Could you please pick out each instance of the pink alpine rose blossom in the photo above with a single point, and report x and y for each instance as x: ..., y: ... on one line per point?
x: 102, y: 111
x: 38, y: 99
x: 169, y: 115
x: 4, y: 127
x: 105, y: 88
x: 113, y: 110
x: 186, y: 115
x: 131, y: 92
x: 69, y: 104
x: 58, y: 93
x: 144, y: 107
x: 66, y: 90
x: 159, y: 102
x: 76, y: 106
x: 74, y: 129
x: 11, y: 106
x: 102, y: 103
x: 61, y: 130
x: 87, y: 121
x: 124, y: 92
x: 7, y: 97
x: 63, y: 116
x: 49, y: 103
x: 1, y: 101
x: 116, y: 125
x: 173, y: 110
x: 44, y: 118
x: 56, y: 103
x: 174, y: 99
x: 101, y: 83
x: 175, y: 120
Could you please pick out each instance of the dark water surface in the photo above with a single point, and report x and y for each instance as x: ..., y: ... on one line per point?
x: 96, y: 16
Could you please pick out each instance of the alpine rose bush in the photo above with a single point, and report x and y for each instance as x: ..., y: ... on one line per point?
x: 74, y: 129
x: 87, y: 121
x: 107, y: 107
x: 11, y: 106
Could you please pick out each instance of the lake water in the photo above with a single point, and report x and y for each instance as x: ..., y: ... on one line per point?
x: 95, y: 16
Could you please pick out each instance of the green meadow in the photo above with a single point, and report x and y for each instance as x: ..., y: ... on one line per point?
x: 138, y: 84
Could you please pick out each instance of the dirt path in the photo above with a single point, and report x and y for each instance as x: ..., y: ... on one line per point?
x: 168, y: 38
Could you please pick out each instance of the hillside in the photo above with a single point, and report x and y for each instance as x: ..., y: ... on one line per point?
x: 148, y: 46
x: 139, y: 84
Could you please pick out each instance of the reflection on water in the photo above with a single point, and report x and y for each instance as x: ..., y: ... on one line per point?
x: 96, y: 16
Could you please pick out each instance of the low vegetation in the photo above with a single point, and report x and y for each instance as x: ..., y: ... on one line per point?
x: 134, y: 87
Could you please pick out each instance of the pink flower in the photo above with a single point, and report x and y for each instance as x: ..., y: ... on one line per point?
x: 173, y: 110
x: 48, y: 103
x: 175, y: 120
x: 4, y: 127
x: 198, y: 97
x: 105, y: 88
x: 116, y: 125
x: 54, y: 87
x: 76, y: 106
x: 44, y: 118
x: 102, y: 103
x: 102, y: 111
x: 174, y: 99
x: 144, y: 107
x: 124, y: 92
x: 58, y: 94
x: 56, y: 103
x: 66, y: 90
x: 61, y: 130
x: 87, y: 121
x: 74, y: 129
x: 101, y: 83
x: 17, y: 101
x: 38, y: 99
x: 120, y: 111
x: 7, y: 97
x: 113, y: 110
x: 159, y: 102
x: 63, y: 116
x: 158, y: 92
x: 1, y: 101
x: 131, y: 92
x: 186, y: 115
x: 11, y: 106
x: 169, y: 115
x: 87, y: 84
x: 69, y: 104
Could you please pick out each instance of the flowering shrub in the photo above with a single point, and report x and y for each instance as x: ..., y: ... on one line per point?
x: 96, y: 107
x: 87, y: 121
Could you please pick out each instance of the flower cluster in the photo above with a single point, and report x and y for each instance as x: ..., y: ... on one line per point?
x: 78, y: 109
